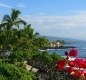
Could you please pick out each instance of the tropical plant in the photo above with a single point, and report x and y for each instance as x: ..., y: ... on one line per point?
x: 11, y: 72
x: 41, y: 42
x: 7, y: 36
x: 10, y: 21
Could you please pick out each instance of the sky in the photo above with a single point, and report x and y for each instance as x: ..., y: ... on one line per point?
x: 59, y: 18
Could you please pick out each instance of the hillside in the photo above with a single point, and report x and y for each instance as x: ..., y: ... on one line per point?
x: 67, y: 40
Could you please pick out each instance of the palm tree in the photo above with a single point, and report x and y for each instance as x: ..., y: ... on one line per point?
x: 29, y: 33
x: 7, y: 32
x: 12, y: 20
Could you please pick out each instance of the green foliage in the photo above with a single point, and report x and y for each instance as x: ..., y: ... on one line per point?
x: 55, y: 56
x: 47, y: 58
x: 23, y: 54
x: 17, y: 57
x: 50, y: 58
x: 7, y: 36
x: 11, y: 72
x: 22, y: 43
x: 2, y: 77
x: 41, y: 42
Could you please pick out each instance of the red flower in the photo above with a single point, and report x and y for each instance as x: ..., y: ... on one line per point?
x: 71, y: 63
x: 60, y: 64
x: 84, y: 64
x: 85, y: 75
x: 75, y: 67
x: 69, y: 70
x: 73, y: 53
x: 76, y: 74
x: 79, y: 62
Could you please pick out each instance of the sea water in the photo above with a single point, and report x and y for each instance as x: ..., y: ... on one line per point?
x: 80, y: 47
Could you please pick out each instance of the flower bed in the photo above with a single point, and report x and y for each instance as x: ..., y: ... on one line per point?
x: 75, y: 67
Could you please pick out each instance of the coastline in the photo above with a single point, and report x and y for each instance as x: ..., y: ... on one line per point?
x: 51, y: 48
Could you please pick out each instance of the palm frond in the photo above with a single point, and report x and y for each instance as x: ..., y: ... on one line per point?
x: 29, y: 25
x: 15, y: 14
x: 36, y: 34
x: 6, y: 18
x: 20, y: 22
x: 3, y: 25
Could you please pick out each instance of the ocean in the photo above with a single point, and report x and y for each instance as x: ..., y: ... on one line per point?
x: 81, y: 49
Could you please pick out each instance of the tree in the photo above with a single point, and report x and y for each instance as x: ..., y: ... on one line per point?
x: 22, y: 44
x: 41, y: 42
x: 11, y: 20
x: 7, y: 30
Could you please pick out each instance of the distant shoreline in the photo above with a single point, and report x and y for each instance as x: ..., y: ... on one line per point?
x: 62, y: 47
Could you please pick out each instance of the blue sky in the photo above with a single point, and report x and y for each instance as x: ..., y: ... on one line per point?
x: 60, y: 18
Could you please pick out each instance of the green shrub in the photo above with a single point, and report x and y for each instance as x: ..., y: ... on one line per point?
x: 11, y: 72
x: 2, y: 77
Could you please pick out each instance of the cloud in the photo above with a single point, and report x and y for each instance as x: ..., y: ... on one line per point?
x: 41, y: 14
x: 5, y: 5
x: 72, y: 26
x: 21, y: 5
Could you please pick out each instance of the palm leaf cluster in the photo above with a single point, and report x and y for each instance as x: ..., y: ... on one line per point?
x: 12, y: 20
x: 15, y: 38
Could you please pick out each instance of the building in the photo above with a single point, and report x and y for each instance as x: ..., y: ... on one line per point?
x: 55, y: 44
